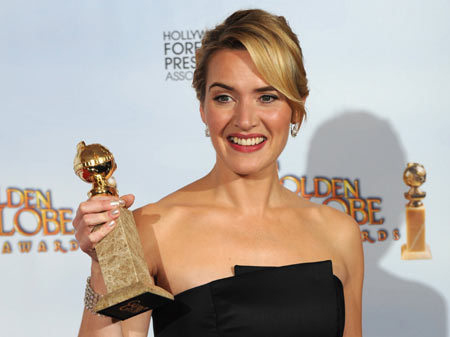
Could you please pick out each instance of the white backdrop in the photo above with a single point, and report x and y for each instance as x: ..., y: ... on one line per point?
x: 105, y: 71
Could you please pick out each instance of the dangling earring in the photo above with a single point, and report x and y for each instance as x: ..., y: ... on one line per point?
x: 295, y: 126
x: 206, y: 131
x: 294, y: 129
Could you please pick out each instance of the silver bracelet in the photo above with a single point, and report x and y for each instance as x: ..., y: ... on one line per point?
x: 91, y: 297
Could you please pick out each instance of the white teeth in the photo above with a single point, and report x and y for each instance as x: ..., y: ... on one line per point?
x: 247, y: 141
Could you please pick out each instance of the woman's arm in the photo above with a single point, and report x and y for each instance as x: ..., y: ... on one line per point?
x: 350, y: 246
x: 90, y: 213
x: 137, y: 326
x: 94, y: 325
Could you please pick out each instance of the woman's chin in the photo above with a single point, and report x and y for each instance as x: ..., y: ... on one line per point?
x: 248, y: 169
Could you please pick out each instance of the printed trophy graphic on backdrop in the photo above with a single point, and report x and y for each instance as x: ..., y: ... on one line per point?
x: 415, y: 247
x: 130, y: 289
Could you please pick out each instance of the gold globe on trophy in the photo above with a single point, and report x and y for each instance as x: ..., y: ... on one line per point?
x: 130, y: 288
x: 95, y: 164
x: 415, y: 248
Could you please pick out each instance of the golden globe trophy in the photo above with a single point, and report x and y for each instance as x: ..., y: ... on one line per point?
x: 415, y: 247
x: 130, y: 288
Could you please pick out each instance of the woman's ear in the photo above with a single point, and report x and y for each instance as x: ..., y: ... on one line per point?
x: 296, y: 114
x: 295, y: 117
x: 202, y: 113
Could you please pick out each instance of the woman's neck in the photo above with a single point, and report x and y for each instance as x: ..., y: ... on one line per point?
x: 251, y: 194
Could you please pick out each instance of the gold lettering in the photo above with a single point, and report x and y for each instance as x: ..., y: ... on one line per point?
x: 354, y: 190
x: 63, y: 220
x: 6, y: 249
x: 42, y: 247
x: 2, y: 230
x: 335, y: 187
x: 24, y: 246
x: 134, y: 307
x: 73, y: 245
x: 295, y: 180
x: 9, y: 197
x: 327, y: 183
x: 18, y: 226
x: 382, y: 235
x: 339, y: 201
x: 52, y: 218
x: 366, y: 237
x: 355, y: 209
x: 29, y: 196
x: 396, y: 234
x: 305, y: 194
x: 40, y: 199
x: 58, y: 247
x: 371, y: 209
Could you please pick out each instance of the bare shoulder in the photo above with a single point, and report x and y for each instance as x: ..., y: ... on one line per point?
x: 343, y: 228
x: 165, y: 210
x: 344, y: 237
x: 339, y: 232
x: 156, y: 221
x: 154, y: 216
x: 151, y: 214
x: 339, y: 238
x: 333, y: 222
x: 146, y: 218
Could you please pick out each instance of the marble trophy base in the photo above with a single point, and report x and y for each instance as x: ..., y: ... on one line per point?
x: 130, y: 288
x: 415, y: 247
x: 132, y: 300
x: 408, y: 254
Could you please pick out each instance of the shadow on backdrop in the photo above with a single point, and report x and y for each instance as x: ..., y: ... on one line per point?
x: 359, y: 145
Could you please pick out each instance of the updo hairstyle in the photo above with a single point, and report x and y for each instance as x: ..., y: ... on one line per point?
x: 273, y: 47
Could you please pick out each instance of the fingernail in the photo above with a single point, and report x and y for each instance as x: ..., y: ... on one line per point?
x: 122, y: 203
x: 115, y: 212
x: 115, y: 203
x: 112, y: 223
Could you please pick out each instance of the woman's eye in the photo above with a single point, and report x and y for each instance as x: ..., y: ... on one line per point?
x: 268, y: 98
x: 222, y: 98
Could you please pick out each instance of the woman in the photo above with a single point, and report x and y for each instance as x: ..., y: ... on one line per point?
x: 252, y: 87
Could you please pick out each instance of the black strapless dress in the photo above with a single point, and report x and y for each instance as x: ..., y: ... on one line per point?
x: 303, y: 299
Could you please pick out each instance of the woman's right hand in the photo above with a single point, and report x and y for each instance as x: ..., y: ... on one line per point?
x: 99, y: 210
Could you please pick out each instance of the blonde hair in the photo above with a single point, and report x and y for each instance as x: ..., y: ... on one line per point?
x: 273, y: 47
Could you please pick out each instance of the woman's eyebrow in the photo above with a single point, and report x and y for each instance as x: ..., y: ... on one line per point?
x: 268, y: 88
x: 227, y: 87
x: 221, y: 85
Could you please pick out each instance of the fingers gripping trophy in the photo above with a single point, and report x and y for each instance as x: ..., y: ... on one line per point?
x: 130, y: 288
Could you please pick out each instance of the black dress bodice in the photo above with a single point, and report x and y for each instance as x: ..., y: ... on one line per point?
x: 303, y: 299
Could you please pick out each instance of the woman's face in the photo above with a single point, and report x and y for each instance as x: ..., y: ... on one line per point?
x: 248, y: 119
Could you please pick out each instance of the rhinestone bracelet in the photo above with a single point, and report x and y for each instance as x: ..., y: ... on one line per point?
x: 91, y: 297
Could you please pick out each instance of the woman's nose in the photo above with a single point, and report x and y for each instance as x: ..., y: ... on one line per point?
x: 246, y: 116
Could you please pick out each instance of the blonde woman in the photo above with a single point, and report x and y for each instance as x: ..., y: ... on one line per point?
x: 243, y: 255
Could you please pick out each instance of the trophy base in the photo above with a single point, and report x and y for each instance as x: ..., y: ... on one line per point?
x: 132, y: 300
x: 415, y: 255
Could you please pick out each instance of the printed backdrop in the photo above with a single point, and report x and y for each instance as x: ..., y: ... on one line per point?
x: 119, y: 73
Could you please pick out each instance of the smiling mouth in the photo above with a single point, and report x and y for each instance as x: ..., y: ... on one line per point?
x: 247, y: 141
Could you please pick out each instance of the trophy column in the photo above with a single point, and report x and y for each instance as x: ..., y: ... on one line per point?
x: 130, y: 288
x: 415, y: 247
